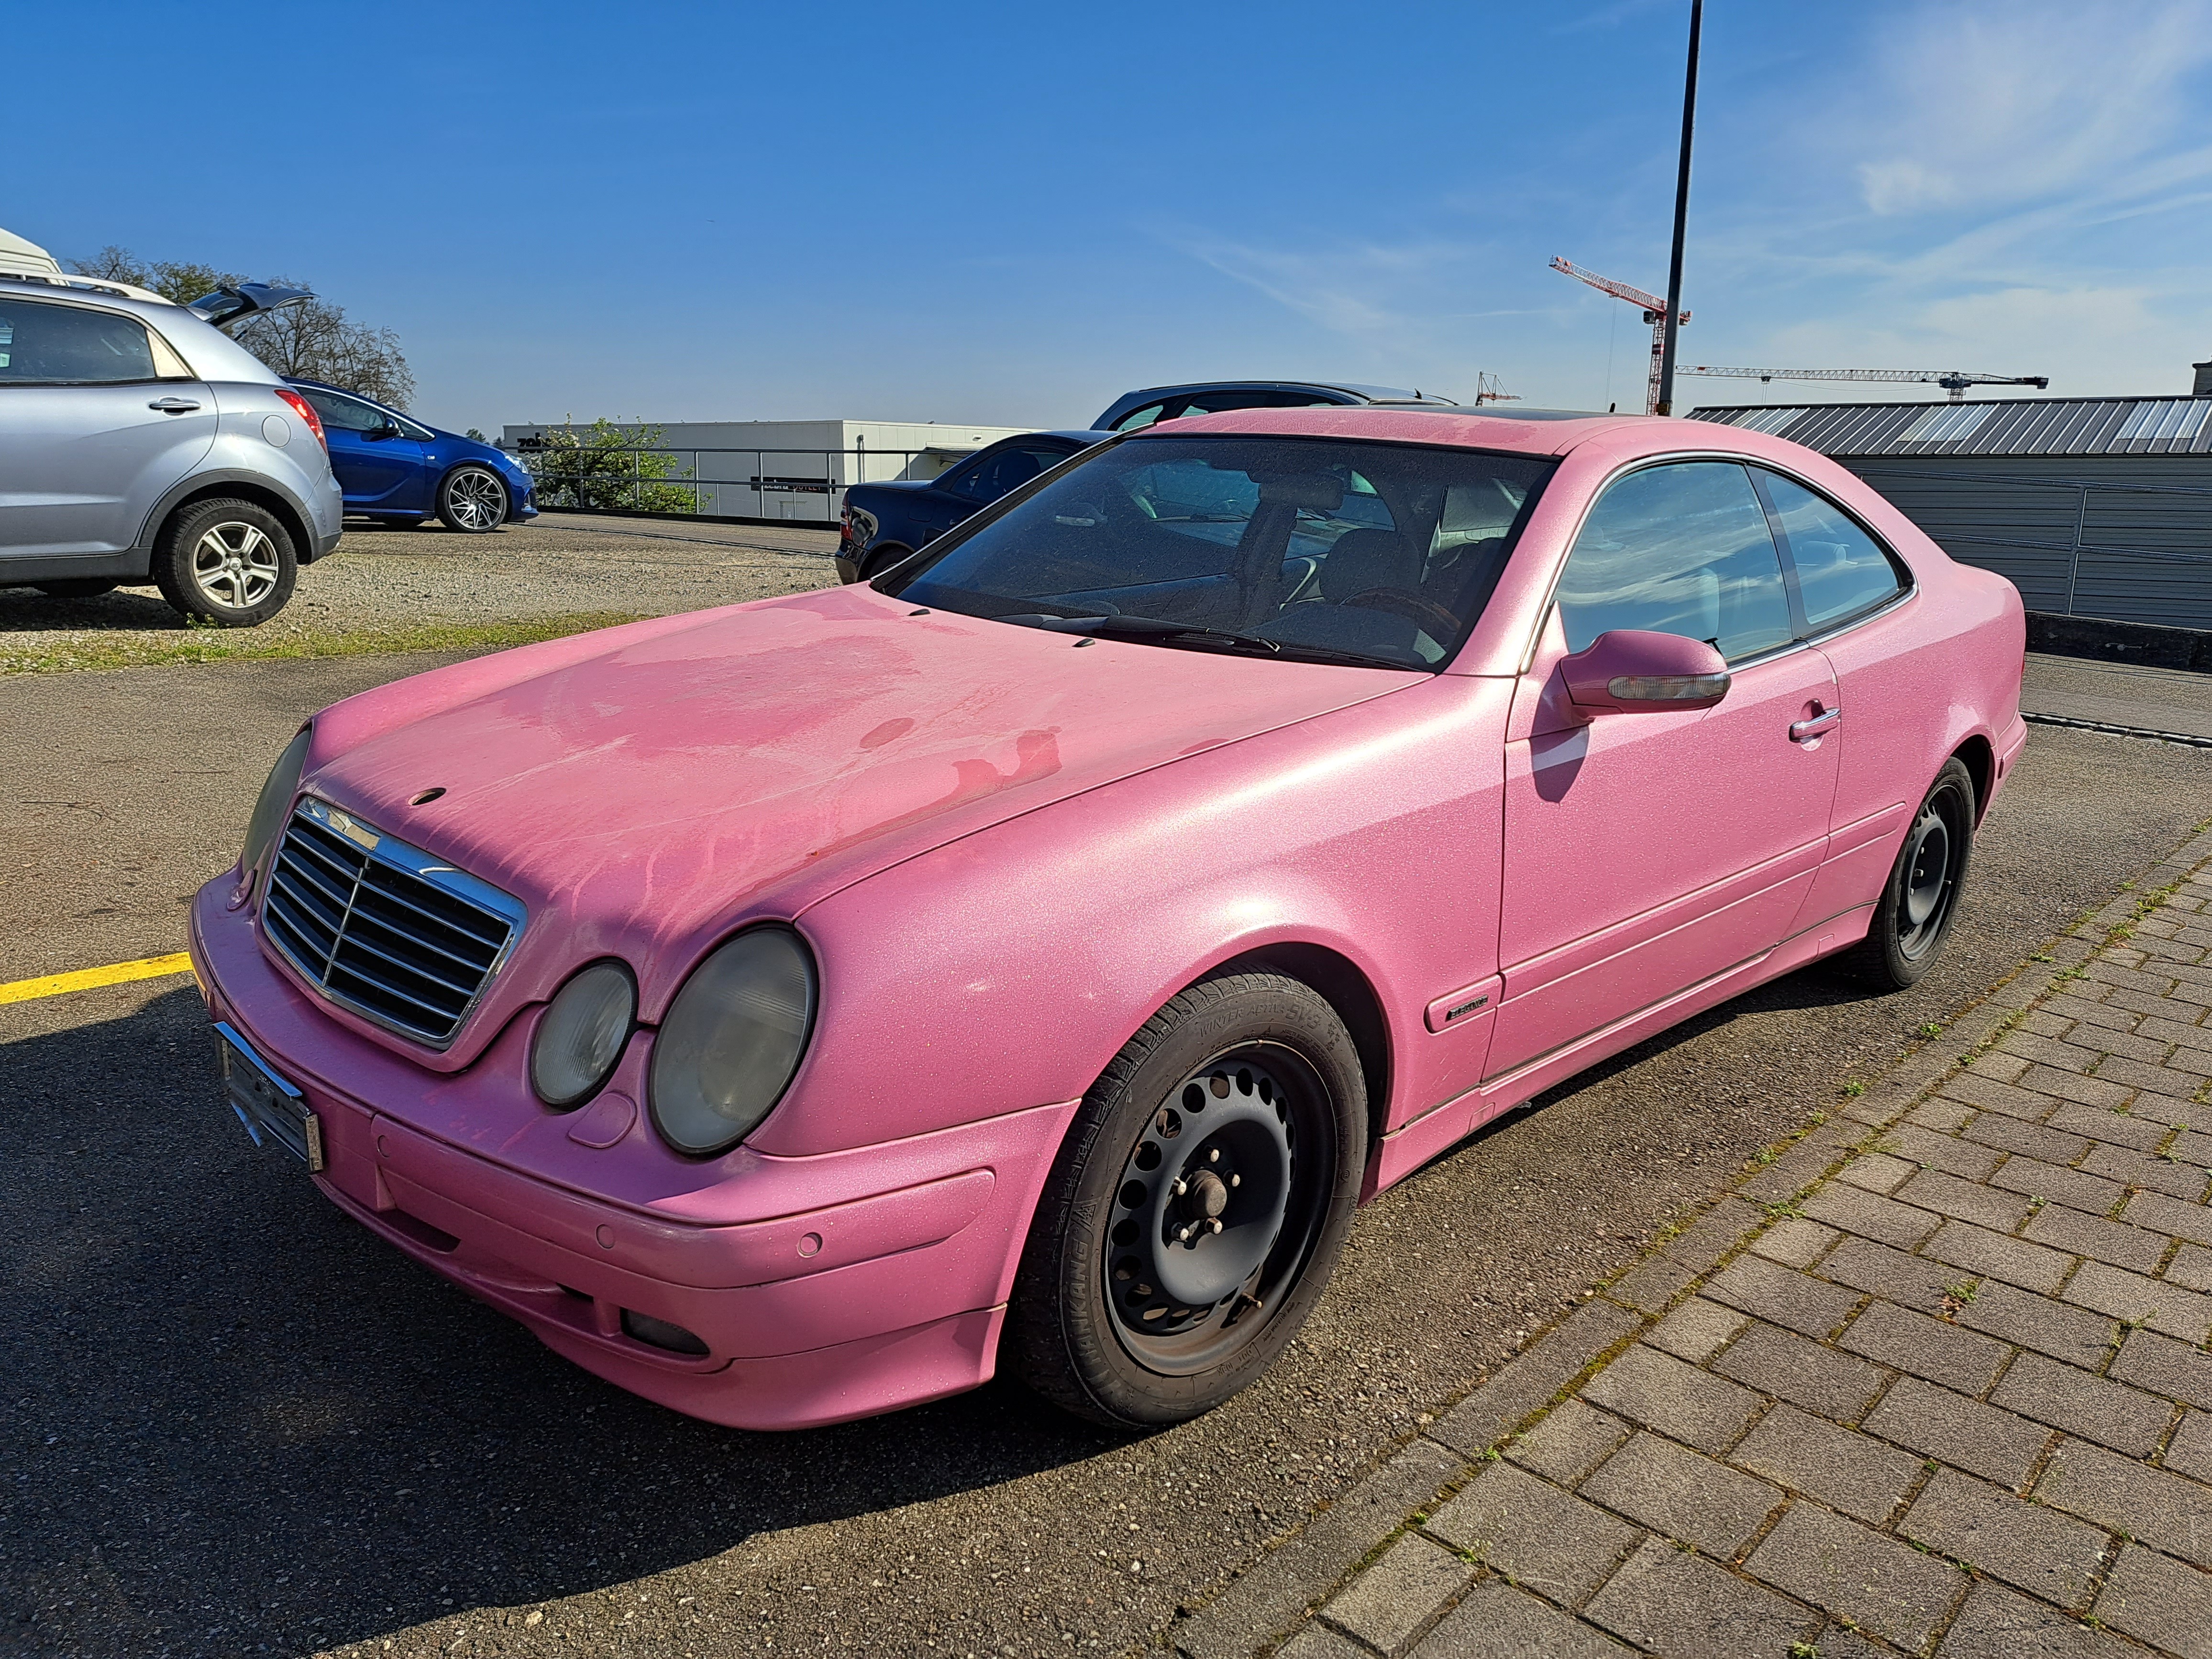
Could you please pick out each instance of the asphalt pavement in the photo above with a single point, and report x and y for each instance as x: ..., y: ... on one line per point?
x: 2119, y: 694
x: 232, y: 1422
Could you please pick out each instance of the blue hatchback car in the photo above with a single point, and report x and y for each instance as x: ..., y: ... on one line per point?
x: 399, y: 472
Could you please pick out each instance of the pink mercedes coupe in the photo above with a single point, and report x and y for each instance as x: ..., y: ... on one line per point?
x: 1033, y: 957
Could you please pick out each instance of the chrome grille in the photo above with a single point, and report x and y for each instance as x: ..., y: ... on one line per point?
x: 384, y: 928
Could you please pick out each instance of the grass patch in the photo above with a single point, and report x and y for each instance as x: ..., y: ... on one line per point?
x: 86, y: 651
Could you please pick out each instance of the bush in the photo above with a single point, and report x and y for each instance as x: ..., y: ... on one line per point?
x: 607, y: 466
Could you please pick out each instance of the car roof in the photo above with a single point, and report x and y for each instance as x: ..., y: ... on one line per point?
x: 1536, y: 432
x: 1395, y: 394
x: 90, y: 288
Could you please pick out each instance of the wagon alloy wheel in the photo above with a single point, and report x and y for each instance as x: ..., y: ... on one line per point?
x: 225, y: 561
x: 236, y: 565
x: 1921, y: 900
x: 1198, y: 1207
x: 472, y: 501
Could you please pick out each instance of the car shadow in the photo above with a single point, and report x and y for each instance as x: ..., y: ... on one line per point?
x: 25, y: 610
x: 236, y: 1418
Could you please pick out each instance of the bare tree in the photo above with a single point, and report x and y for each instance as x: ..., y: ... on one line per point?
x: 312, y: 340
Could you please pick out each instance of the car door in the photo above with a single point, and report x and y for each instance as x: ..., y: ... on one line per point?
x: 379, y: 466
x: 1646, y: 853
x: 98, y: 418
x: 1892, y: 682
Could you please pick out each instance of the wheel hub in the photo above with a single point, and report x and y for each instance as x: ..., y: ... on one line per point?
x: 1201, y: 1204
x: 1929, y: 871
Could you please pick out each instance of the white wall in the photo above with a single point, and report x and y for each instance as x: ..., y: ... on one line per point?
x: 801, y: 466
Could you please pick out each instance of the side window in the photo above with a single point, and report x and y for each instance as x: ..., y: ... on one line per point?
x: 1137, y: 418
x: 70, y: 345
x: 1841, y: 570
x: 1679, y: 548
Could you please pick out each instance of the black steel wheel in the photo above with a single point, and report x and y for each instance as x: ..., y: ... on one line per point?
x: 1197, y: 1207
x: 1920, y: 901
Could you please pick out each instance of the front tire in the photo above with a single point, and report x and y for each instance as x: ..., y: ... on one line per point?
x: 226, y: 562
x: 1920, y: 900
x: 472, y: 501
x: 1198, y: 1207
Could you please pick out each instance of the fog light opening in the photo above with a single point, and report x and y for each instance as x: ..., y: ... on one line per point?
x: 659, y: 1334
x: 414, y: 1227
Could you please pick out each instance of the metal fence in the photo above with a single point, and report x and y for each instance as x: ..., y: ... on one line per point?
x: 804, y: 486
x: 2122, y: 548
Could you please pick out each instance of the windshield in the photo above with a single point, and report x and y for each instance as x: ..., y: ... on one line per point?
x: 1303, y: 548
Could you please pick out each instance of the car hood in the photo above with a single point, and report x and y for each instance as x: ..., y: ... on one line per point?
x: 644, y: 790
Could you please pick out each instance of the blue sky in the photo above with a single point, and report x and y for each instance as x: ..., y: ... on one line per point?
x: 1009, y: 213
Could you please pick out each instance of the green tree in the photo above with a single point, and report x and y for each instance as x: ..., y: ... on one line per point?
x: 605, y: 465
x: 312, y: 340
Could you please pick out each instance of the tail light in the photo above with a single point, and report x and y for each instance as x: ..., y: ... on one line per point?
x: 306, y: 411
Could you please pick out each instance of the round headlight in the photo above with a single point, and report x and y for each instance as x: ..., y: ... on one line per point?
x: 582, y: 1035
x: 275, y: 800
x: 732, y: 1039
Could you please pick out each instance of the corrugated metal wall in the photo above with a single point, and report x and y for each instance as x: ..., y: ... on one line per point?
x: 2127, y: 537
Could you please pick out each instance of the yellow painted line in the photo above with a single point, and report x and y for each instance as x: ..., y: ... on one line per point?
x: 116, y: 973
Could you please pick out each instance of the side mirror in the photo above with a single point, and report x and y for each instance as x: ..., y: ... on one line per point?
x: 379, y: 433
x: 1630, y: 671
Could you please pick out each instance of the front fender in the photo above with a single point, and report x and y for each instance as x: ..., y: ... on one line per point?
x: 1006, y: 967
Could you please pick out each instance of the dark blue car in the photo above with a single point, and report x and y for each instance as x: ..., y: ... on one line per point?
x: 398, y: 471
x: 884, y: 522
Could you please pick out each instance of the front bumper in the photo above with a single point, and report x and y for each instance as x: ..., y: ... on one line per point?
x: 823, y: 1288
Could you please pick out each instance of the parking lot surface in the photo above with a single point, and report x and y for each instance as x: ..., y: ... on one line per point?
x: 1936, y: 1376
x: 563, y: 564
x: 232, y: 1422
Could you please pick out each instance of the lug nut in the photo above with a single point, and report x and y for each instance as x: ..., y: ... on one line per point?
x: 1237, y: 1181
x: 1180, y: 1187
x: 1215, y: 1222
x: 1214, y: 1156
x: 1183, y: 1235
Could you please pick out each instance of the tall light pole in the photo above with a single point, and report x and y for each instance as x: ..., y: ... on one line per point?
x: 1682, y: 218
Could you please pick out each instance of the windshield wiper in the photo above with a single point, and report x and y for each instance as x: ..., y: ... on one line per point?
x: 1146, y: 627
x: 1154, y: 628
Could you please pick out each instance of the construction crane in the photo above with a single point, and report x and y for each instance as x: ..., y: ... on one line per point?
x: 1487, y: 389
x: 1952, y: 380
x: 1654, y: 312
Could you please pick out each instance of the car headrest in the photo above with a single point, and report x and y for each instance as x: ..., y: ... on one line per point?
x: 1362, y: 559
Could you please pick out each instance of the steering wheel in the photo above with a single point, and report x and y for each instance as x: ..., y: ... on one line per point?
x: 1409, y: 606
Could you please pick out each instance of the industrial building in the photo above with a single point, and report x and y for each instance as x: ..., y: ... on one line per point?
x: 795, y: 470
x: 2094, y: 508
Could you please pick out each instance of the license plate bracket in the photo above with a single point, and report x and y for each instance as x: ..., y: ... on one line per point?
x: 270, y: 1108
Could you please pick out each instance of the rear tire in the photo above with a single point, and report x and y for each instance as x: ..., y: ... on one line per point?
x: 76, y: 587
x: 226, y: 562
x: 473, y: 500
x: 877, y: 560
x: 1197, y: 1208
x: 1920, y: 900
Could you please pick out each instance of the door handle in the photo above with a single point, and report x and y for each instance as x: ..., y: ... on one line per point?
x: 1826, y: 721
x: 174, y: 405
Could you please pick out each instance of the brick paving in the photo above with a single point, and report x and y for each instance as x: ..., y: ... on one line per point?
x: 1934, y: 1379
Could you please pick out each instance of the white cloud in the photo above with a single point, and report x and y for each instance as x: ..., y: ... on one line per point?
x: 1986, y: 104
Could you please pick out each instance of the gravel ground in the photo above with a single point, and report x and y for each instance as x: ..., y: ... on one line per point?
x: 562, y: 564
x: 233, y: 1422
